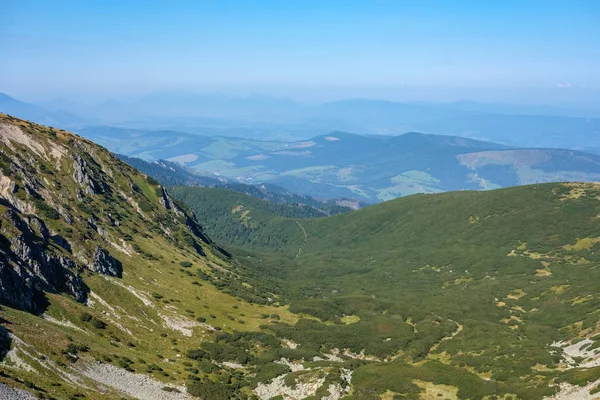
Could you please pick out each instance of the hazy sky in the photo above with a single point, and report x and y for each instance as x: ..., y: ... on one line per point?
x: 424, y: 50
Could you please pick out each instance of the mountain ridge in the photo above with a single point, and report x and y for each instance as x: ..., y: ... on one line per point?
x: 24, y: 195
x: 10, y: 105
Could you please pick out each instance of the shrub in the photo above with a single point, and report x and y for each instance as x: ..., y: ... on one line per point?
x: 85, y: 317
x: 98, y: 323
x: 48, y: 211
x: 210, y: 390
x: 85, y: 208
x: 124, y: 363
x: 196, y: 354
x: 154, y: 367
x: 70, y: 349
x: 270, y: 370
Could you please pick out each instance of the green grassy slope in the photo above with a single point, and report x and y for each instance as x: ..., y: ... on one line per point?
x: 242, y: 220
x: 470, y: 288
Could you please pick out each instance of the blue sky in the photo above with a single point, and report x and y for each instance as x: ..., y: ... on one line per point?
x: 423, y: 50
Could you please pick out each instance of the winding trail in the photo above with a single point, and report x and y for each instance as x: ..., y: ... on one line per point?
x: 305, y: 238
x: 458, y: 329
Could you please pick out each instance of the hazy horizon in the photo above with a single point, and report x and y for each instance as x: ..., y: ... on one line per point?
x: 333, y: 94
x: 524, y: 53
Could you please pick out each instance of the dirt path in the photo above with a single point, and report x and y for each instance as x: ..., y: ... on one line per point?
x: 458, y: 329
x: 305, y: 238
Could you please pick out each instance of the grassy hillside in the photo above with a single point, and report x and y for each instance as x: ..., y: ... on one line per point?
x: 478, y: 291
x: 241, y: 220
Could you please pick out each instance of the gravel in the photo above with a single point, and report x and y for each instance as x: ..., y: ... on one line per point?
x: 139, y: 386
x: 8, y: 393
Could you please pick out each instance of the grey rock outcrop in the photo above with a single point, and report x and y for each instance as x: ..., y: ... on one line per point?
x: 82, y: 178
x: 106, y: 264
x: 28, y: 267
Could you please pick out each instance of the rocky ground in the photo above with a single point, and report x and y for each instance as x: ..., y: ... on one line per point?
x: 137, y: 386
x: 8, y: 393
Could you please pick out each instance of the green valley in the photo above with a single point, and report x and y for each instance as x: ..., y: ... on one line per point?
x: 481, y: 291
x: 111, y: 287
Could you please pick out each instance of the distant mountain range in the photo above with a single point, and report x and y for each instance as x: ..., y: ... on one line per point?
x: 60, y: 117
x: 367, y: 168
x: 264, y: 117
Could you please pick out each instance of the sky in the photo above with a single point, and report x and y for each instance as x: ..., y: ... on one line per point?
x: 533, y: 51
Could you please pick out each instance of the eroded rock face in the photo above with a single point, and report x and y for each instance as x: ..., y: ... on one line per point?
x: 28, y: 267
x: 166, y: 201
x: 82, y: 178
x: 106, y: 264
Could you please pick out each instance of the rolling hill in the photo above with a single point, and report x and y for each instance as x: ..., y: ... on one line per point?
x: 522, y: 130
x: 112, y: 289
x: 367, y: 168
x: 264, y: 117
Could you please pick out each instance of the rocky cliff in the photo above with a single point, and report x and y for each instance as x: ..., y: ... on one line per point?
x: 67, y: 207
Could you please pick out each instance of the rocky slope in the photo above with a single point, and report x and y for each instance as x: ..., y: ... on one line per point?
x: 66, y: 207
